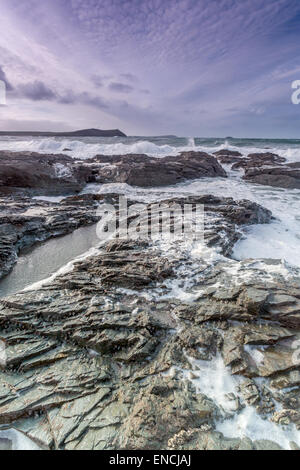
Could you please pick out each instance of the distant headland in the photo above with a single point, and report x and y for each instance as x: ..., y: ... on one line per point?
x: 80, y: 133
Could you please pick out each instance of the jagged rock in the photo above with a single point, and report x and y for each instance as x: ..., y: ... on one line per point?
x: 227, y: 157
x: 222, y: 217
x: 228, y: 153
x: 200, y: 343
x: 283, y: 176
x: 110, y: 399
x: 130, y: 270
x: 256, y: 160
x: 250, y: 392
x: 254, y: 303
x: 286, y: 380
x: 285, y: 417
x: 33, y: 173
x: 201, y: 440
x: 160, y: 410
x: 141, y: 170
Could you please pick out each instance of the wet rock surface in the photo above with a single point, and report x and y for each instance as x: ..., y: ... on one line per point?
x: 285, y: 176
x: 33, y: 174
x: 36, y: 174
x: 227, y: 157
x: 145, y: 171
x: 222, y: 218
x: 267, y: 169
x: 257, y: 160
x: 29, y: 173
x: 104, y: 357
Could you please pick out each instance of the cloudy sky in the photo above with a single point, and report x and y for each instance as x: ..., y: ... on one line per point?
x: 149, y: 67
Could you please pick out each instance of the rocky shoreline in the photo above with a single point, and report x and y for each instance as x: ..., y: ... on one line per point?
x: 146, y: 346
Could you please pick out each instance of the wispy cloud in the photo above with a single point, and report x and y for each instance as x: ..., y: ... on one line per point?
x: 120, y: 87
x: 154, y: 66
x: 36, y: 91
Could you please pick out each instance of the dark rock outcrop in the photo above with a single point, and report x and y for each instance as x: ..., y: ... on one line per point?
x: 141, y: 170
x: 223, y: 218
x: 227, y: 157
x: 109, y: 356
x: 37, y: 174
x: 284, y: 176
x: 257, y: 160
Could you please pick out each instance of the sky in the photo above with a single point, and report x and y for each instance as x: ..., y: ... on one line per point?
x: 206, y: 68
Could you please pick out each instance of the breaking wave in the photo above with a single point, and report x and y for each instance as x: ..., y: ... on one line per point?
x: 156, y: 146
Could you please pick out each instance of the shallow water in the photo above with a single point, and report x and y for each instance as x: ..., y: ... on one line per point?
x: 43, y: 260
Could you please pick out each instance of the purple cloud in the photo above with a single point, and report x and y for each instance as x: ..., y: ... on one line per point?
x: 213, y: 67
x: 71, y: 98
x: 37, y: 91
x: 129, y: 77
x: 120, y: 87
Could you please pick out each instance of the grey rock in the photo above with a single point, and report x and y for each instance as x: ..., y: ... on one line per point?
x: 141, y: 170
x: 33, y: 173
x: 256, y: 160
x: 278, y: 176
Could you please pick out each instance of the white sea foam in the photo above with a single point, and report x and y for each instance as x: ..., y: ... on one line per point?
x: 82, y: 150
x: 89, y: 147
x: 49, y: 198
x: 62, y: 171
x: 214, y: 380
x: 249, y: 424
x: 278, y: 240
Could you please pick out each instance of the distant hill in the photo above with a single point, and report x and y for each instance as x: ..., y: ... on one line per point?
x: 80, y: 133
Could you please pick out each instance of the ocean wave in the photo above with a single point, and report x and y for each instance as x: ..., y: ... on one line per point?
x: 82, y: 150
x: 79, y: 149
